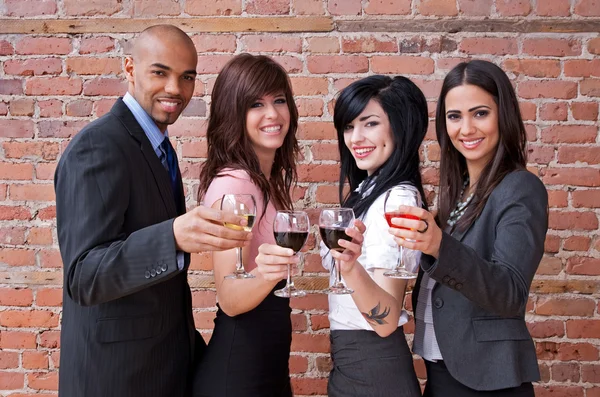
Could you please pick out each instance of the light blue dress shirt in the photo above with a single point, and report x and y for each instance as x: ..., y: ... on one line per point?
x: 155, y: 136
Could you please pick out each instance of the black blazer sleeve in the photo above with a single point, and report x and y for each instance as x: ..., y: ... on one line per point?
x: 517, y: 227
x: 102, y: 261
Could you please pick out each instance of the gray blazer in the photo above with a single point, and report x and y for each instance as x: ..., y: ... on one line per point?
x: 127, y: 325
x: 483, y: 278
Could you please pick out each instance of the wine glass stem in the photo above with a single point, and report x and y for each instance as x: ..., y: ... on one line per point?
x: 400, y: 264
x: 338, y: 272
x: 239, y: 267
x: 289, y: 283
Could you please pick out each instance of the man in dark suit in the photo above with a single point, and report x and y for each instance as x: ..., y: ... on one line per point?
x: 125, y: 239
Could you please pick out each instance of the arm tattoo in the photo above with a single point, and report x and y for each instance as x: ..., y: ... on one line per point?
x: 374, y: 317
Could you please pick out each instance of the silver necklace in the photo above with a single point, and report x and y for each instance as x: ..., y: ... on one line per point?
x: 461, y: 206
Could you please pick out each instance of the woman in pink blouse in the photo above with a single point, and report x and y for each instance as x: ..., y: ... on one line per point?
x: 252, y: 149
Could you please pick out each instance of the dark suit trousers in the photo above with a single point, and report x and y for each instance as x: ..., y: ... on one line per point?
x: 441, y: 384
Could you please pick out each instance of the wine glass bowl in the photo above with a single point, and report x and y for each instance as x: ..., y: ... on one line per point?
x: 332, y: 228
x: 290, y: 229
x: 402, y: 195
x: 243, y: 205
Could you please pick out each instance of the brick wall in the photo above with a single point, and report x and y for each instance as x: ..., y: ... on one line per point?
x: 60, y: 67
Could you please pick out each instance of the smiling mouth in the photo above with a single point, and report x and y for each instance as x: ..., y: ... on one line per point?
x: 271, y: 130
x: 169, y: 106
x: 363, y: 152
x: 472, y: 143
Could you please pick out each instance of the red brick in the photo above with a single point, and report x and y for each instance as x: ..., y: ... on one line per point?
x: 50, y: 339
x: 188, y: 128
x: 547, y: 89
x: 93, y: 65
x: 540, y: 154
x: 50, y: 108
x: 299, y: 322
x: 310, y: 302
x: 402, y: 65
x: 533, y: 67
x: 546, y: 329
x: 317, y: 130
x: 577, y: 243
x: 310, y: 386
x: 325, y: 151
x: 35, y: 192
x: 488, y: 45
x: 318, y: 172
x: 583, y: 328
x: 581, y: 307
x: 558, y: 391
x: 204, y: 320
x: 552, y: 47
x: 587, y: 8
x: 317, y: 343
x: 298, y: 364
x: 156, y: 7
x: 319, y: 321
x: 577, y: 352
x: 572, y: 176
x: 215, y: 7
x: 17, y: 340
x: 11, y: 380
x: 14, y: 213
x: 194, y: 149
x: 309, y: 107
x: 89, y: 8
x: 215, y: 42
x: 590, y: 373
x: 337, y: 64
x: 79, y: 108
x: 31, y: 150
x: 550, y: 266
x: 594, y: 46
x: 12, y: 235
x: 584, y: 110
x: 323, y: 45
x: 11, y: 86
x: 437, y: 7
x: 204, y: 299
x: 96, y: 45
x: 513, y: 7
x: 388, y: 7
x: 590, y: 87
x: 49, y: 297
x: 586, y: 198
x: 344, y: 7
x: 15, y: 297
x: 583, y: 265
x: 475, y: 7
x: 561, y: 220
x: 574, y: 154
x: 565, y: 372
x: 30, y: 67
x: 43, y: 46
x: 369, y: 44
x: 6, y: 48
x: 43, y: 380
x: 47, y: 213
x: 211, y: 64
x: 22, y: 107
x: 31, y: 318
x: 103, y: 106
x: 582, y: 68
x: 308, y: 7
x: 268, y: 7
x: 310, y: 85
x: 105, y: 86
x: 60, y: 128
x: 3, y: 108
x: 35, y: 360
x: 290, y: 63
x: 570, y: 134
x: 50, y: 258
x: 556, y: 111
x: 272, y: 43
x: 9, y: 360
x: 53, y: 86
x: 327, y: 195
x: 554, y: 8
x: 55, y: 356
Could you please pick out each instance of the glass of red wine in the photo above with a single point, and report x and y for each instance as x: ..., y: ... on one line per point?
x: 332, y: 227
x: 400, y: 195
x: 243, y: 205
x: 290, y: 229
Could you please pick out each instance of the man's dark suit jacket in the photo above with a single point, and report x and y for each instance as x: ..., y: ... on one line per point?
x: 484, y: 274
x: 127, y: 325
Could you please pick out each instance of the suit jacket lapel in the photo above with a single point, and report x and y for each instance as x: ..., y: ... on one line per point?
x: 161, y: 177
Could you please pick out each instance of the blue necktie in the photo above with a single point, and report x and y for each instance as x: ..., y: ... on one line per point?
x: 170, y: 163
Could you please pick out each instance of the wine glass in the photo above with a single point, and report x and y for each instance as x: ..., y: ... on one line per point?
x: 394, y: 198
x: 243, y: 205
x: 332, y: 227
x: 290, y: 229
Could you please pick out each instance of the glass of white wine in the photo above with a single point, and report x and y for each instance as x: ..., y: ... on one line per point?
x: 242, y: 205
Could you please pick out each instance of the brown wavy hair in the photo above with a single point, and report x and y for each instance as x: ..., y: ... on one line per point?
x: 242, y: 81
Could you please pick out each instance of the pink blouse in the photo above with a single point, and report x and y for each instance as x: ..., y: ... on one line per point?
x: 239, y: 182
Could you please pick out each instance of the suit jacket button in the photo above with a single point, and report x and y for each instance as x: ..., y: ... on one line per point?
x: 446, y: 279
x: 147, y: 274
x: 438, y: 303
x: 458, y: 286
x: 164, y: 267
x: 152, y: 272
x: 451, y: 282
x: 158, y: 270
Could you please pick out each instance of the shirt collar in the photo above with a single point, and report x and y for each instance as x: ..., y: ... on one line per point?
x: 145, y: 121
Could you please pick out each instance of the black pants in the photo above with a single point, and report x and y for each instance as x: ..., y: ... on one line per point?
x: 441, y: 384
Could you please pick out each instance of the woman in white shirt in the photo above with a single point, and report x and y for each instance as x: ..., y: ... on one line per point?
x: 380, y: 122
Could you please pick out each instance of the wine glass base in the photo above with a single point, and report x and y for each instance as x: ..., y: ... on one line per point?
x: 339, y: 290
x: 402, y: 274
x: 238, y: 275
x: 290, y: 292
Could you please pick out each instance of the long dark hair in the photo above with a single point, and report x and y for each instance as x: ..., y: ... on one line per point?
x: 243, y: 80
x: 406, y: 108
x: 511, y: 151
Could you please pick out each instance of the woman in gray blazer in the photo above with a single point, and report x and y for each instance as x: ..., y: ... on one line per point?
x: 481, y: 251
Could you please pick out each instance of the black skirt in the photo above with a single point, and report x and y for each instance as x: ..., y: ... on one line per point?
x: 367, y: 365
x: 248, y: 354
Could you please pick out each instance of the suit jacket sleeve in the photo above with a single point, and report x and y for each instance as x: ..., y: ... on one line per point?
x: 500, y: 285
x: 102, y: 261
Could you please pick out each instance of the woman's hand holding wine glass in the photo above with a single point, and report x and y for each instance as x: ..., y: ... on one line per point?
x: 419, y: 233
x: 243, y: 205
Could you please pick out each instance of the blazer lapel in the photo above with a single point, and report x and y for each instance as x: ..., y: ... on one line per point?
x: 161, y: 177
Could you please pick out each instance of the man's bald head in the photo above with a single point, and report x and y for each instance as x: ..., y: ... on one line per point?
x: 165, y: 34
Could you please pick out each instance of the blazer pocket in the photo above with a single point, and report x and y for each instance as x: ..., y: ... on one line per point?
x: 499, y: 329
x: 120, y: 329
